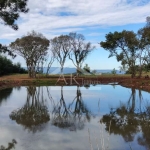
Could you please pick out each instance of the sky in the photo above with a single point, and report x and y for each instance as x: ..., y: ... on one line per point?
x: 93, y: 19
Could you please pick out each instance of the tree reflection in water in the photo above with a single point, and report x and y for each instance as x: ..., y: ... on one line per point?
x: 34, y: 114
x: 72, y: 116
x: 127, y: 120
x: 5, y: 94
x: 10, y: 146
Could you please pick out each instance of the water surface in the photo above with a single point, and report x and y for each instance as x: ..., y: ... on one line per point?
x: 74, y: 118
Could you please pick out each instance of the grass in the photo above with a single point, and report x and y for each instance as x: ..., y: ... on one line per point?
x: 40, y: 76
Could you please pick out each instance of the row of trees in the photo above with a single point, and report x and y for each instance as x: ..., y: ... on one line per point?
x: 7, y: 67
x: 38, y: 50
x: 131, y: 49
x: 34, y: 47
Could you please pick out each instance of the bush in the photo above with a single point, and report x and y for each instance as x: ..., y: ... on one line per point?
x: 7, y: 67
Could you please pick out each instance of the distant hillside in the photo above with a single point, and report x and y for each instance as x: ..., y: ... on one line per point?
x: 56, y: 70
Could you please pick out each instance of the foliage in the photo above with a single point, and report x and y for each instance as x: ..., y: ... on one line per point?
x: 7, y: 67
x: 123, y: 45
x: 60, y: 47
x: 4, y: 49
x: 79, y: 50
x: 94, y: 71
x: 9, y: 13
x: 10, y: 146
x: 33, y: 48
x: 114, y: 71
x: 87, y: 68
x: 10, y: 9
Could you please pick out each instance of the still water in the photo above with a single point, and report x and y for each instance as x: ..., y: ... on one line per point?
x: 103, y: 117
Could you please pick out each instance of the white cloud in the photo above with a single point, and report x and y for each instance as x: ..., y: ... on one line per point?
x: 56, y: 17
x: 45, y: 16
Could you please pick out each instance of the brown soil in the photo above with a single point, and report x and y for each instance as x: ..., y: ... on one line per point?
x: 126, y: 81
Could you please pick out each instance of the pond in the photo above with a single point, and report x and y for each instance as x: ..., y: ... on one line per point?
x: 97, y: 117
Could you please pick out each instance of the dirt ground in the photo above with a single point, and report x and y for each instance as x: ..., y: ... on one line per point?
x: 123, y: 80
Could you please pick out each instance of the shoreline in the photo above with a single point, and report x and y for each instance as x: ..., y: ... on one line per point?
x: 125, y: 81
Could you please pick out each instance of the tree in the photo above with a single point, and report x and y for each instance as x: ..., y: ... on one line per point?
x: 60, y: 47
x: 11, y: 145
x: 10, y: 9
x: 123, y: 45
x: 148, y: 21
x: 79, y: 50
x: 33, y: 48
x: 114, y: 71
x: 51, y: 60
x: 143, y: 54
x: 9, y: 13
x: 7, y: 67
x: 87, y: 68
x: 4, y: 49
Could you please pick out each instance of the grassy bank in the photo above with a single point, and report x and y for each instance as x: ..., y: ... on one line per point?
x: 124, y: 80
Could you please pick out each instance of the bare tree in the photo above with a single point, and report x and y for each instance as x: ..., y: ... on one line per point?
x: 60, y: 47
x: 79, y: 50
x: 50, y: 60
x: 33, y: 48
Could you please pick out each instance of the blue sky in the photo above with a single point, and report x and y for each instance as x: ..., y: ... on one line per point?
x: 93, y: 19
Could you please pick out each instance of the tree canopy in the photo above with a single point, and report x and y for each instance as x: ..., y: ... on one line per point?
x: 61, y: 47
x: 7, y: 67
x: 33, y: 48
x: 79, y: 50
x: 10, y: 11
x: 123, y: 45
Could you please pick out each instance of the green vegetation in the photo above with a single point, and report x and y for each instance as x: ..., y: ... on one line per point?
x: 114, y: 71
x: 131, y: 49
x: 7, y: 67
x: 10, y: 146
x: 86, y: 68
x: 9, y: 13
x: 33, y: 48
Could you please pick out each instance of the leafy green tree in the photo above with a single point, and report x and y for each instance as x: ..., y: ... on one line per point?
x: 9, y: 13
x: 33, y: 48
x: 123, y: 45
x: 7, y: 67
x: 144, y: 47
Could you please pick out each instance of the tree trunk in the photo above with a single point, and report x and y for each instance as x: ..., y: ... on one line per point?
x: 140, y: 71
x: 78, y: 70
